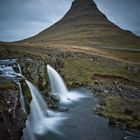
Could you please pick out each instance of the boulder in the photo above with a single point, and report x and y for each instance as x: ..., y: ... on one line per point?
x: 55, y: 98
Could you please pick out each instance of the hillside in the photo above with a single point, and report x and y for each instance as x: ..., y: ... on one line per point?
x: 85, y: 25
x: 83, y: 29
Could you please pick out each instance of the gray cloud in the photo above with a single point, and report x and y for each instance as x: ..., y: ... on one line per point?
x: 124, y: 13
x: 20, y: 19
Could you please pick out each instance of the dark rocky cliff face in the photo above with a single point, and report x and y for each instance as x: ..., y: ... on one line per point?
x: 12, y: 117
x: 35, y: 69
x: 84, y: 7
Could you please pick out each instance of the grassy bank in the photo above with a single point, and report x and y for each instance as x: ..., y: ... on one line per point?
x: 6, y: 84
x: 124, y: 110
x: 82, y: 70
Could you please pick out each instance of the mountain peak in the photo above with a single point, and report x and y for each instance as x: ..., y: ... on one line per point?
x: 85, y: 25
x: 84, y: 3
x: 88, y: 4
x: 83, y: 7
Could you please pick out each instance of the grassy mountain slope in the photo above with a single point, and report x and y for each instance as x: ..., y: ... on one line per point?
x: 85, y: 25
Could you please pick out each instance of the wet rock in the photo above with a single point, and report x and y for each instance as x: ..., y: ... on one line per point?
x: 112, y: 122
x: 60, y: 108
x: 55, y: 98
x: 115, y: 123
x: 63, y: 109
x: 96, y: 108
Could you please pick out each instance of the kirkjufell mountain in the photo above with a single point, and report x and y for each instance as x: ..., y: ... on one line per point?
x: 85, y: 25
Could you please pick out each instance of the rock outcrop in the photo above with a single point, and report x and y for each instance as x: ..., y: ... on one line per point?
x: 12, y: 117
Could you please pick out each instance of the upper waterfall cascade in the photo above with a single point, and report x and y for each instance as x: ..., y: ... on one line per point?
x: 58, y: 87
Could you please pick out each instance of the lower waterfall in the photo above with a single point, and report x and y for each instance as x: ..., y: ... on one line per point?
x: 41, y: 118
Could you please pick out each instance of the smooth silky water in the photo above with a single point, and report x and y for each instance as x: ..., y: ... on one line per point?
x: 41, y: 118
x: 58, y: 87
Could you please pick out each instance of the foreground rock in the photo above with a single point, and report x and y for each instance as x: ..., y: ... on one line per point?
x: 12, y: 117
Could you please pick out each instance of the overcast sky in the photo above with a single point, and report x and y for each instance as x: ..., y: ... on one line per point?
x: 20, y: 19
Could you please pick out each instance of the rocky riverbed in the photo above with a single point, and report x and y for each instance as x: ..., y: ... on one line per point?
x: 119, y: 100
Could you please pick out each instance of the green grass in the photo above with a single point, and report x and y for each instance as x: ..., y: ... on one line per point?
x: 6, y: 84
x: 83, y: 71
x: 27, y: 95
x: 122, y: 109
x: 127, y: 55
x: 135, y: 47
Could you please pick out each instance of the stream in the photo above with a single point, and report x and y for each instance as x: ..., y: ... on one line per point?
x: 84, y: 124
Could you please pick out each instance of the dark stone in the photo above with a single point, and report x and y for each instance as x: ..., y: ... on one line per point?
x: 12, y: 118
x: 55, y: 98
x: 112, y: 122
x: 59, y: 108
x: 63, y: 109
x: 96, y: 83
x: 115, y: 123
x: 128, y: 111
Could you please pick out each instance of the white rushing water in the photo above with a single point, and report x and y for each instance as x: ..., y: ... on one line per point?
x: 41, y: 120
x: 8, y: 72
x: 20, y: 71
x: 58, y: 87
x: 22, y: 101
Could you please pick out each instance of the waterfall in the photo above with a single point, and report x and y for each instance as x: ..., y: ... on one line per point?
x: 41, y: 120
x: 20, y: 71
x: 58, y: 87
x: 56, y: 82
x: 22, y: 101
x: 7, y: 71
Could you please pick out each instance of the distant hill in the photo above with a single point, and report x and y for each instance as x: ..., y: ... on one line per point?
x: 85, y: 25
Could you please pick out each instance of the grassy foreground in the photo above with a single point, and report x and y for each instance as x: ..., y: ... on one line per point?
x: 121, y: 109
x: 82, y: 70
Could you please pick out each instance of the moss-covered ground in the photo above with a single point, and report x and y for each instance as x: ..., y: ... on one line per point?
x: 82, y: 70
x: 122, y: 109
x: 6, y: 84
